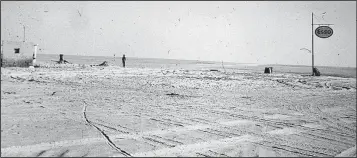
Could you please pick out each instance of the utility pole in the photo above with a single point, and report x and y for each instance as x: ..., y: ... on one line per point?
x: 312, y: 39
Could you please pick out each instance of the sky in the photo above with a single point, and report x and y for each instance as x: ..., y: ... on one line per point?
x: 261, y: 32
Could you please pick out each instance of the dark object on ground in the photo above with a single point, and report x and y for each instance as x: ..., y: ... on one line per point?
x: 105, y: 63
x: 61, y: 61
x: 268, y: 70
x: 172, y: 94
x: 316, y: 72
x: 28, y: 102
x: 213, y: 70
x: 9, y: 92
x: 65, y: 61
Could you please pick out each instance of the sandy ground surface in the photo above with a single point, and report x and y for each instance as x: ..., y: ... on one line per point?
x: 111, y: 111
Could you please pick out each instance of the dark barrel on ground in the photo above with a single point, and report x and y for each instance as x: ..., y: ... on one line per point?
x: 268, y: 70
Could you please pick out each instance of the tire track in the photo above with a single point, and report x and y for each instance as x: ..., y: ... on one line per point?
x: 324, y: 139
x: 204, y: 155
x: 176, y: 122
x: 214, y: 133
x: 127, y: 130
x: 314, y: 112
x: 109, y: 142
x: 166, y: 122
x: 293, y: 149
x: 224, y: 125
x: 41, y: 153
x: 204, y: 126
x: 218, y: 154
x: 158, y: 141
x: 351, y: 152
x: 170, y: 140
x: 221, y: 125
x: 225, y: 132
x: 310, y: 114
x: 111, y: 128
x: 330, y: 135
x: 333, y: 121
x: 86, y: 141
x: 290, y: 143
x: 200, y: 146
x: 322, y: 146
x: 284, y: 124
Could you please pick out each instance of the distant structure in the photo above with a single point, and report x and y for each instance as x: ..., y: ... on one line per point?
x: 268, y: 70
x: 18, y: 54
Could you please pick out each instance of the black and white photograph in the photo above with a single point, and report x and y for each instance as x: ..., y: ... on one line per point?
x: 178, y: 78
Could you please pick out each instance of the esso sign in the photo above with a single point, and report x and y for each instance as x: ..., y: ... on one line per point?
x: 323, y: 32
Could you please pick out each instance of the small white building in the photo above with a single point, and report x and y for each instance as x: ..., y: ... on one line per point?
x: 14, y: 53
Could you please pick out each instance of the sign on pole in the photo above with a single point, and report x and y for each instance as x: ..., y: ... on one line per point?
x: 324, y: 31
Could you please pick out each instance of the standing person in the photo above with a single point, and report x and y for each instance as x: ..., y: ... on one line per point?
x: 123, y: 59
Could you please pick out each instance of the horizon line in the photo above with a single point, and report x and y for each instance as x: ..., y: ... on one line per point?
x: 256, y: 64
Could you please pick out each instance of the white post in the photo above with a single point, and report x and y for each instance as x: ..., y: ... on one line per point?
x: 2, y: 44
x: 34, y: 55
x: 24, y: 33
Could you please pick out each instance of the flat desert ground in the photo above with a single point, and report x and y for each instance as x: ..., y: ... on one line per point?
x: 114, y: 111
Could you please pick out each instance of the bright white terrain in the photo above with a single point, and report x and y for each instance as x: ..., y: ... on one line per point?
x: 111, y: 111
